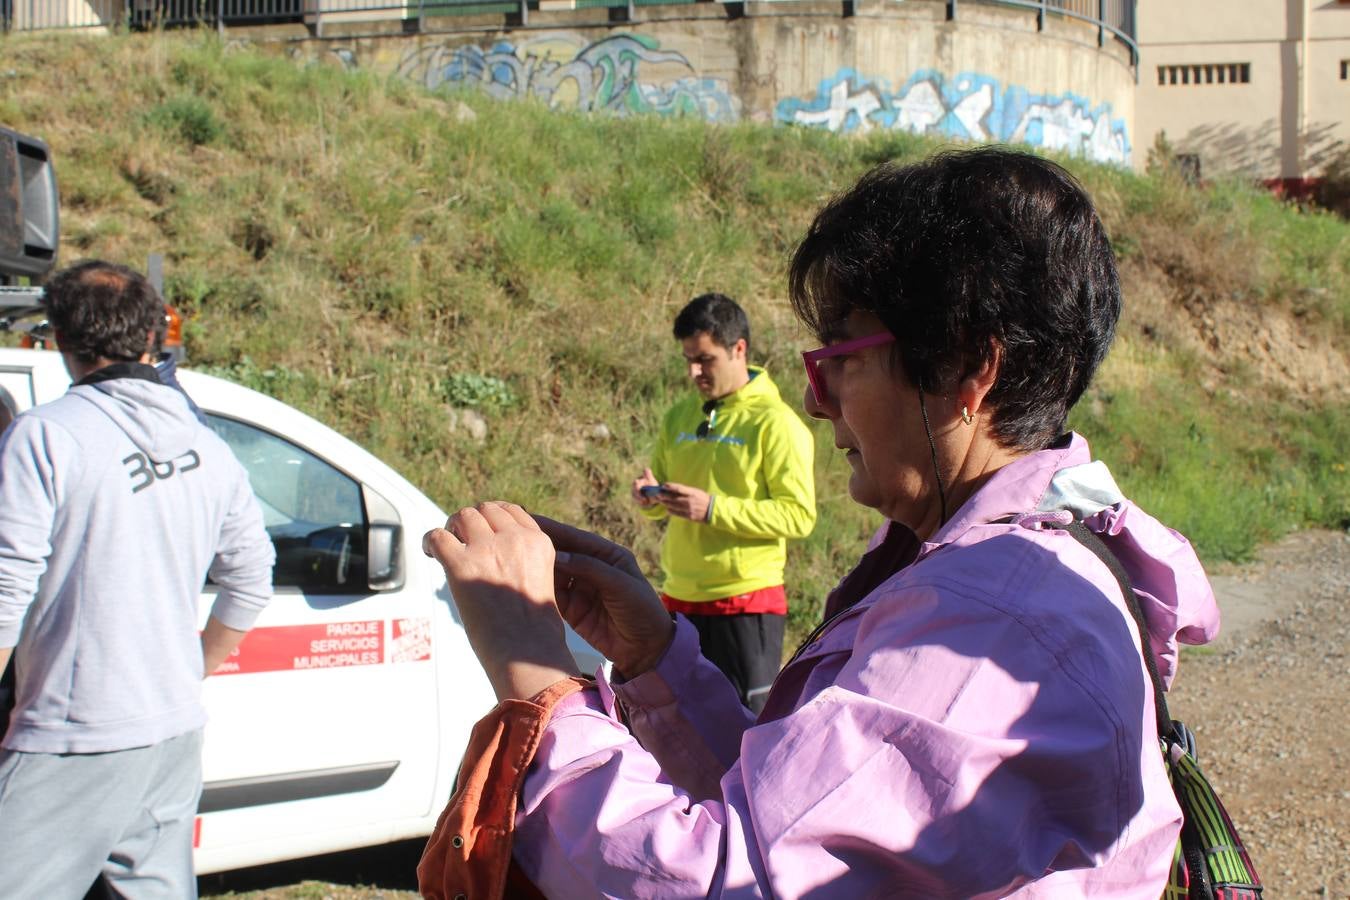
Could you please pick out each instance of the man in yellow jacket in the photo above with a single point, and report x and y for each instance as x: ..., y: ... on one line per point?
x: 732, y: 468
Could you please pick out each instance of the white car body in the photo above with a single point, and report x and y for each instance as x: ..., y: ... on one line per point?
x: 341, y: 719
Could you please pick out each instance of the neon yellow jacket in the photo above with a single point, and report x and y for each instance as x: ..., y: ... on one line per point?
x: 756, y: 462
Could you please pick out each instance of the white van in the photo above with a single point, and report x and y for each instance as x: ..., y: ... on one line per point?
x: 340, y: 720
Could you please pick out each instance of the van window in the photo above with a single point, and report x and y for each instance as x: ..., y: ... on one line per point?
x: 313, y: 512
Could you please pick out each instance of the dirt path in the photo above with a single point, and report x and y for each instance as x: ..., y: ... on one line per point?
x: 1266, y: 701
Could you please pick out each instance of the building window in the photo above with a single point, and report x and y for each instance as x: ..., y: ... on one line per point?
x: 1345, y: 70
x: 1211, y: 73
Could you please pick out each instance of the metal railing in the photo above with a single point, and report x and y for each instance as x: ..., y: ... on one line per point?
x: 1115, y: 18
x: 40, y: 15
x: 43, y: 15
x: 1112, y: 17
x: 36, y: 15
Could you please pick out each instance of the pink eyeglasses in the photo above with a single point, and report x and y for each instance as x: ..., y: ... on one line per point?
x: 811, y: 358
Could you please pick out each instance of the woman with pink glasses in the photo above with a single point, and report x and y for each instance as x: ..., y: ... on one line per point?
x: 973, y: 718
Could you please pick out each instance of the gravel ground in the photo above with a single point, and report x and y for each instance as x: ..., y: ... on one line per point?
x: 1264, y: 701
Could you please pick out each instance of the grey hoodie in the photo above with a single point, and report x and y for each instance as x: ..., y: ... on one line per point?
x: 115, y: 501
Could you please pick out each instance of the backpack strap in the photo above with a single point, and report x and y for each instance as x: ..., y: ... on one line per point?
x: 1210, y: 859
x: 1167, y: 730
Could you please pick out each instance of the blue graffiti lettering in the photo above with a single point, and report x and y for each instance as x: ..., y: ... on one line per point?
x: 623, y: 74
x: 970, y: 106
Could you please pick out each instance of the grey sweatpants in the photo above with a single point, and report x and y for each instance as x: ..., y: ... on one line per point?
x: 64, y: 818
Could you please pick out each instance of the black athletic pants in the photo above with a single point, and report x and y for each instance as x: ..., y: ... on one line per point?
x: 747, y: 647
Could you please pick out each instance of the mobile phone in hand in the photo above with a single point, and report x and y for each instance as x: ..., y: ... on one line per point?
x: 651, y: 491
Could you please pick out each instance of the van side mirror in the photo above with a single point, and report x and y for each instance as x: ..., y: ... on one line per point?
x: 384, y: 542
x: 383, y: 550
x: 29, y: 222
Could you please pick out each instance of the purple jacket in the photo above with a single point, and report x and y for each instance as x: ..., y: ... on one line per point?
x: 980, y: 725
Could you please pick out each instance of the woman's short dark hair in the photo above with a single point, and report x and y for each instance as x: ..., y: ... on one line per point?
x: 102, y: 310
x: 718, y: 315
x: 962, y: 251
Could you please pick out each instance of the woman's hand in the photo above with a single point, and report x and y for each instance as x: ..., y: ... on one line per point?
x: 500, y: 568
x: 604, y: 596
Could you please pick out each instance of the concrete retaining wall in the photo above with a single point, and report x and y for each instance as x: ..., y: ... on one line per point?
x: 988, y: 75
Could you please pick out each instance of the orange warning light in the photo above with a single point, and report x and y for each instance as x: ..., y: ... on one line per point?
x: 173, y: 331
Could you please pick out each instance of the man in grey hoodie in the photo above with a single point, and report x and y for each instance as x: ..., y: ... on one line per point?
x: 115, y: 504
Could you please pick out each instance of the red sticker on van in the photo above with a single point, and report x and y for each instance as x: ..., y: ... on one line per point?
x: 411, y: 641
x: 292, y: 647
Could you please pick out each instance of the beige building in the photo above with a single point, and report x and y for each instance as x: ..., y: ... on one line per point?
x: 1256, y: 87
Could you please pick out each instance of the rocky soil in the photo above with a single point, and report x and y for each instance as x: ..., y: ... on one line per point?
x: 1266, y: 702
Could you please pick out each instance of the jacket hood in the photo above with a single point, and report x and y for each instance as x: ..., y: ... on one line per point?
x: 154, y: 417
x: 1060, y: 484
x: 759, y: 389
x: 1174, y: 593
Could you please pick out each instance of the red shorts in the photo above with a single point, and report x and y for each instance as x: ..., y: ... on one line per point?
x: 771, y: 600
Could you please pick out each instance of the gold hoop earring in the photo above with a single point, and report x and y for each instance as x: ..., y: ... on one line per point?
x: 966, y: 416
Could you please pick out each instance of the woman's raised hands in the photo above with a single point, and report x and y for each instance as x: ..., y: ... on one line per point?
x: 500, y: 569
x: 604, y: 596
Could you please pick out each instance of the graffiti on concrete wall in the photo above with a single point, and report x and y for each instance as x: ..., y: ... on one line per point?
x: 969, y: 106
x: 623, y: 74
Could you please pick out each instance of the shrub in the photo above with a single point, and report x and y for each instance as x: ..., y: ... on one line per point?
x: 1332, y: 191
x: 189, y: 118
x: 479, y: 391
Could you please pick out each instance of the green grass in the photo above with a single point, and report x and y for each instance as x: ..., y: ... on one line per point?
x: 1227, y: 472
x: 344, y: 242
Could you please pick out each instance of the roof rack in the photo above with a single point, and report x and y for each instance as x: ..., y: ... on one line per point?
x: 20, y: 303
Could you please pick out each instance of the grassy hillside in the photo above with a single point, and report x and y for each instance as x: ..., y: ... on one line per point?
x: 377, y: 255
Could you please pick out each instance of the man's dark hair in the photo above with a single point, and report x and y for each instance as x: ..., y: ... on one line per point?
x: 718, y: 315
x: 102, y: 310
x: 961, y: 252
